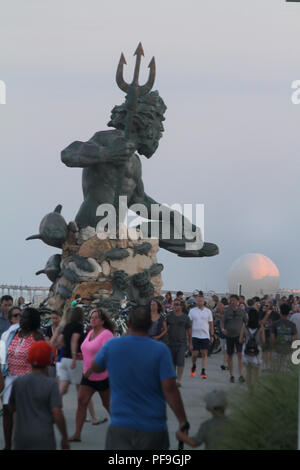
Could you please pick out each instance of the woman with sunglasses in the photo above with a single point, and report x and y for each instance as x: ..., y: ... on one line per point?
x: 101, y: 331
x: 13, y: 318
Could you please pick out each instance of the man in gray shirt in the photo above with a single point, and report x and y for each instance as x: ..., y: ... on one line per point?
x: 179, y: 333
x: 231, y: 324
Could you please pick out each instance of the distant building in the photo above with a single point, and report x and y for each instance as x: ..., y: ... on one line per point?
x: 252, y: 275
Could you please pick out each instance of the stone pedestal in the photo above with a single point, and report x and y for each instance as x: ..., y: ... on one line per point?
x: 103, y: 269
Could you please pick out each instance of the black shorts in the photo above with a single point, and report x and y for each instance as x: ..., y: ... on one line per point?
x: 233, y: 344
x: 200, y: 344
x: 98, y: 385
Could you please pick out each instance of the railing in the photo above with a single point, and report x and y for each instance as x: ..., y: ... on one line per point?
x: 28, y: 292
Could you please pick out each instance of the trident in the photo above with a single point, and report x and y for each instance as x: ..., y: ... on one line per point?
x: 134, y: 91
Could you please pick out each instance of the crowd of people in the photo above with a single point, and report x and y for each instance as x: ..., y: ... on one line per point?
x: 136, y: 375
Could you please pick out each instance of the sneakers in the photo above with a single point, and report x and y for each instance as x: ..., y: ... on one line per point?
x: 203, y: 374
x: 193, y: 370
x: 224, y: 367
x: 241, y: 379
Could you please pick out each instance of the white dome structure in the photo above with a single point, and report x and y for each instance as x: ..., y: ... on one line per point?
x: 253, y: 275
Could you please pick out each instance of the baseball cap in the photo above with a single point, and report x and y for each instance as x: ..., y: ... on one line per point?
x: 41, y: 354
x: 216, y: 399
x: 196, y: 292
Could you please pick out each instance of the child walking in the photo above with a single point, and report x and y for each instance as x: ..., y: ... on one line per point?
x: 210, y: 432
x: 37, y: 402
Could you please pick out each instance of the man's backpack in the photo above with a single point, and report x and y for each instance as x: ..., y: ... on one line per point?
x: 251, y: 348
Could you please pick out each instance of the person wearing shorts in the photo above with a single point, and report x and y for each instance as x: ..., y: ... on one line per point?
x: 69, y: 374
x: 202, y: 334
x: 232, y: 322
x: 218, y: 318
x: 101, y: 331
x: 179, y: 334
x: 142, y: 381
x: 71, y: 364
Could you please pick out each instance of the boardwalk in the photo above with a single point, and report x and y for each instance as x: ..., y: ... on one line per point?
x: 193, y: 390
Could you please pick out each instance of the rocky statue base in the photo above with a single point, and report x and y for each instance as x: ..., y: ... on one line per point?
x: 103, y: 270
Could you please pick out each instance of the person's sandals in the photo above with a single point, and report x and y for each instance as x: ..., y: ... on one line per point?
x: 100, y: 421
x: 74, y: 439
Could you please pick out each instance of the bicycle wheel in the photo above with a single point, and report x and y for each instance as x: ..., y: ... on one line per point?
x: 216, y: 346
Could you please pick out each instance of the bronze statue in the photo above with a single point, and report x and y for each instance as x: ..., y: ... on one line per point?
x: 111, y: 166
x: 106, y: 271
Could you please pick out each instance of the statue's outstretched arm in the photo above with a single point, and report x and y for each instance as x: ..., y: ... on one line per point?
x: 180, y: 227
x: 84, y: 154
x: 115, y: 150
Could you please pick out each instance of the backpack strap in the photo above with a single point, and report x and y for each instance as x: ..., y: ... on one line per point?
x: 252, y: 334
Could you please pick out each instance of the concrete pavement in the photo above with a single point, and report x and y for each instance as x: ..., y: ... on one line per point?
x: 193, y: 390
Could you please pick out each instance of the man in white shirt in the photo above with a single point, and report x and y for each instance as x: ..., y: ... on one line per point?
x: 202, y: 333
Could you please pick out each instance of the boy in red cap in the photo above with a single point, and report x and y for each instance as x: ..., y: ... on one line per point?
x: 36, y: 400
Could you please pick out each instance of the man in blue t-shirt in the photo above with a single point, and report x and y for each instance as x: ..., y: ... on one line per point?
x: 142, y: 381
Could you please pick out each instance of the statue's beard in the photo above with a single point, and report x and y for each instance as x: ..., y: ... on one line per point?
x: 147, y: 147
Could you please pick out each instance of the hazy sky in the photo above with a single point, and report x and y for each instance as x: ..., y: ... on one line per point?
x: 231, y: 141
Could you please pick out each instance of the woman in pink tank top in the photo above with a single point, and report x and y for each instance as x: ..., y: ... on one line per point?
x: 102, y: 331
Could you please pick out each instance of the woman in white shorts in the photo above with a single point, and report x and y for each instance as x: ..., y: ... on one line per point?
x: 70, y: 369
x: 71, y: 364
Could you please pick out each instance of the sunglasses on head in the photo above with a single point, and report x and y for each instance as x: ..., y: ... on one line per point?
x: 99, y: 312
